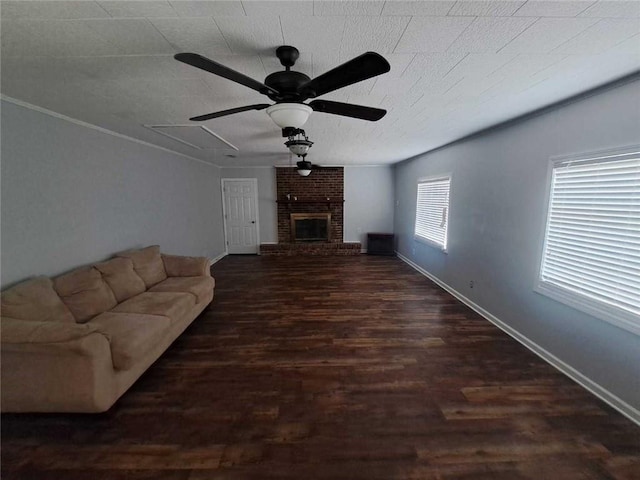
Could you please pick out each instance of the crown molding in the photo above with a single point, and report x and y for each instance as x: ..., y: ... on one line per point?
x: 91, y: 126
x: 247, y: 166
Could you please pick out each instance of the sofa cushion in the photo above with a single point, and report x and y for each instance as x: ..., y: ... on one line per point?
x: 131, y: 335
x: 147, y: 263
x: 85, y: 293
x: 35, y: 300
x: 198, y: 286
x: 20, y: 331
x: 121, y: 278
x: 169, y: 304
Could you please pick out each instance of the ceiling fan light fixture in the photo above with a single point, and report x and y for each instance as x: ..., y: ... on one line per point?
x: 303, y: 168
x: 298, y: 146
x: 289, y: 114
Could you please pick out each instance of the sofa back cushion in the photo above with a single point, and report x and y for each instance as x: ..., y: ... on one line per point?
x: 121, y: 278
x: 147, y: 263
x: 85, y: 293
x: 35, y: 300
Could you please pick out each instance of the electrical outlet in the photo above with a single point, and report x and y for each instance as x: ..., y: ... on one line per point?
x: 471, y: 284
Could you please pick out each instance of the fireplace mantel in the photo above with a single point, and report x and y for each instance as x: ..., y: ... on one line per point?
x: 303, y: 200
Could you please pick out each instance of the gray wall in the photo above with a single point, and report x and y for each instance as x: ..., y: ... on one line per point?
x: 497, y: 217
x: 72, y: 195
x: 267, y: 208
x: 368, y: 205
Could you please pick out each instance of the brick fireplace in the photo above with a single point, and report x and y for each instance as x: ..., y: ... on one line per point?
x: 316, y: 197
x: 320, y: 192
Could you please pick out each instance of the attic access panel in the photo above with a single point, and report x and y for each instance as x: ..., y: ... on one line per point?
x: 195, y: 136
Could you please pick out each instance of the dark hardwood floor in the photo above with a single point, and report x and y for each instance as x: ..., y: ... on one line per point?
x: 334, y: 368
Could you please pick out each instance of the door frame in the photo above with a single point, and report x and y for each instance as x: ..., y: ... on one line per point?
x: 224, y: 210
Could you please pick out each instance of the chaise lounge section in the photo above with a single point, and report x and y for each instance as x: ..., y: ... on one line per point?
x: 77, y: 342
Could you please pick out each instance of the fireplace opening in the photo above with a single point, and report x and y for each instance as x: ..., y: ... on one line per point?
x: 310, y: 227
x: 311, y: 230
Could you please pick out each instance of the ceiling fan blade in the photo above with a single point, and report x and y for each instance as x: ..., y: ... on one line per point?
x: 348, y: 110
x: 204, y: 63
x: 365, y: 66
x: 231, y: 111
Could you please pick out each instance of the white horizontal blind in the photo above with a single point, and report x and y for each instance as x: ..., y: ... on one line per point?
x: 592, y: 244
x: 432, y: 210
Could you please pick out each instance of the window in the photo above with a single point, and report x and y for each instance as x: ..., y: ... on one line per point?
x: 432, y: 211
x: 591, y: 252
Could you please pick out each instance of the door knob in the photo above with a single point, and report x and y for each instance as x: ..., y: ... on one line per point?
x: 253, y: 221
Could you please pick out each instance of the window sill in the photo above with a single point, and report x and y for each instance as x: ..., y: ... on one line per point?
x: 612, y: 315
x: 430, y: 243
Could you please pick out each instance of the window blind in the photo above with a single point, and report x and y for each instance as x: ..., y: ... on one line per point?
x: 592, y: 244
x: 432, y: 210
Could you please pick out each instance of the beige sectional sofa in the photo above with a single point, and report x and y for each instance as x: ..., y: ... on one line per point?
x: 77, y: 342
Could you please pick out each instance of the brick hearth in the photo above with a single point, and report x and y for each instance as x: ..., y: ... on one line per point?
x: 313, y: 249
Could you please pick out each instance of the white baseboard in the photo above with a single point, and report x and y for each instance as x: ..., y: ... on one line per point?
x: 218, y: 258
x: 599, y: 391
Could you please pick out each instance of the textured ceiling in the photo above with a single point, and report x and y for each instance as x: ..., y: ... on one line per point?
x: 456, y: 66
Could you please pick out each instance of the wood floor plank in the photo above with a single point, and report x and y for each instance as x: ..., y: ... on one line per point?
x: 334, y: 368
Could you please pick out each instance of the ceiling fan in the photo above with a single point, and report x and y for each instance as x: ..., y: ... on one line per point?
x: 289, y: 89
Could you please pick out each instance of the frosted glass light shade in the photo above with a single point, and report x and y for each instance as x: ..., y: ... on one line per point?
x: 289, y: 114
x: 299, y: 147
x: 303, y: 168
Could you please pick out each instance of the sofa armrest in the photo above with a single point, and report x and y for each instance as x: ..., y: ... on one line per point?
x: 179, y: 266
x: 68, y: 371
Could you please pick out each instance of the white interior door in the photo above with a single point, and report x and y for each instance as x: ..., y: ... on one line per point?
x: 241, y: 214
